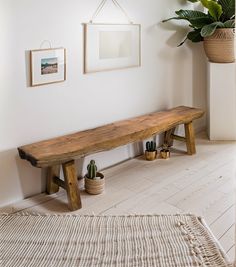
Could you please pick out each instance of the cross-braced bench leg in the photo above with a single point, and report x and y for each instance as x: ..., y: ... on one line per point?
x: 190, y: 138
x: 52, y: 172
x: 71, y: 185
x: 168, y: 139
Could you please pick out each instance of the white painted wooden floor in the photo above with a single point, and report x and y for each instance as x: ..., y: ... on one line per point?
x: 202, y: 184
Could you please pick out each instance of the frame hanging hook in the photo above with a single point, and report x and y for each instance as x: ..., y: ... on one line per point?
x: 46, y: 42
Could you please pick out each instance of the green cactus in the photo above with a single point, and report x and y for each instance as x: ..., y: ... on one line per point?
x: 151, y: 146
x: 92, y: 170
x: 148, y: 146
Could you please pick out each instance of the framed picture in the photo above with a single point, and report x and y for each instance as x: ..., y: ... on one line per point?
x: 111, y: 46
x: 47, y: 66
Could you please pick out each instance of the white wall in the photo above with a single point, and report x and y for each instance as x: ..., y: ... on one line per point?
x: 169, y: 76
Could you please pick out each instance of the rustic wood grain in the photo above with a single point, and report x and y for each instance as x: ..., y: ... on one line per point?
x: 59, y: 182
x: 51, y: 186
x: 190, y: 138
x: 168, y: 137
x: 71, y: 185
x: 177, y: 137
x: 62, y: 149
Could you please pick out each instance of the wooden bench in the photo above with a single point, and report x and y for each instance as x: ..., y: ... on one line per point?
x: 53, y: 153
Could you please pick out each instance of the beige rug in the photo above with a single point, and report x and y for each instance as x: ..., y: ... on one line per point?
x: 99, y: 241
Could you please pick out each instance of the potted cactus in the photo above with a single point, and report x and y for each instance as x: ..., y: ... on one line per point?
x: 165, y: 152
x: 151, y: 150
x: 94, y: 182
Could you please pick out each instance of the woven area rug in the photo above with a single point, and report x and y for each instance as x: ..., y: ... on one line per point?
x: 137, y: 241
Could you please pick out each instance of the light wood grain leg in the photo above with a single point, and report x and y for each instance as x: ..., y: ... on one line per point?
x: 168, y: 137
x: 190, y: 138
x: 71, y: 185
x: 51, y: 187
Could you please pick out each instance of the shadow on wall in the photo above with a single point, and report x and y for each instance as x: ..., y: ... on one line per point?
x: 178, y: 33
x: 110, y: 158
x: 189, y: 86
x: 179, y: 66
x: 199, y: 77
x: 199, y: 83
x: 18, y: 179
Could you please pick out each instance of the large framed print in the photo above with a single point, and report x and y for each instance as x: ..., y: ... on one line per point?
x: 111, y: 46
x: 47, y: 66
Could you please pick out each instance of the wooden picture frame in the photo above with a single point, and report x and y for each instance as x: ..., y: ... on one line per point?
x: 47, y: 66
x: 111, y: 46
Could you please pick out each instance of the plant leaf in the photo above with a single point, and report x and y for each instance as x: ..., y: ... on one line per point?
x: 229, y: 23
x: 177, y: 18
x: 182, y: 42
x: 214, y: 8
x: 189, y: 14
x: 195, y: 36
x: 200, y: 22
x: 193, y: 1
x: 208, y: 30
x: 228, y: 7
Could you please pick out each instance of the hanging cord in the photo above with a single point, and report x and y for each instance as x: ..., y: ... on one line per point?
x: 98, y: 10
x: 46, y: 42
x: 116, y: 4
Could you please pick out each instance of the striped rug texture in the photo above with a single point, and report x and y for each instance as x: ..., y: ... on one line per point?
x: 102, y: 241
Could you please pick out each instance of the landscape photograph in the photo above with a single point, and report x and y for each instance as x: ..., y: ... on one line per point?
x: 49, y: 65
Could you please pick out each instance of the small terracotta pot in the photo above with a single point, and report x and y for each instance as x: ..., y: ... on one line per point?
x: 95, y: 186
x: 150, y: 155
x: 165, y: 154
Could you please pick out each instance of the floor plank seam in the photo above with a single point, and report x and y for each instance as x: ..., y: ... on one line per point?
x: 230, y: 248
x: 233, y: 225
x: 202, y: 177
x: 222, y: 214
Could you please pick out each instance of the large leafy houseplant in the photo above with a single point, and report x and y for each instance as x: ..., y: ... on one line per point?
x: 215, y: 27
x: 221, y: 14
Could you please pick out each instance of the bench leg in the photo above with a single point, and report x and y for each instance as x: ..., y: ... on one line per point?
x: 71, y: 185
x: 53, y: 171
x: 190, y: 138
x: 168, y: 137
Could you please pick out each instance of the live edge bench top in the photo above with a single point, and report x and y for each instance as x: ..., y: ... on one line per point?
x: 65, y: 148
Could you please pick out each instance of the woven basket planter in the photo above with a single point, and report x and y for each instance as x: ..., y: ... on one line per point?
x: 219, y: 47
x: 95, y: 186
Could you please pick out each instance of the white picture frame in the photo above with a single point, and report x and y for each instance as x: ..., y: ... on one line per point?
x: 111, y: 46
x: 47, y: 66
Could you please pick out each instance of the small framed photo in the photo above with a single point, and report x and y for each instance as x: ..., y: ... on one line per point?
x: 111, y: 46
x: 47, y: 66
